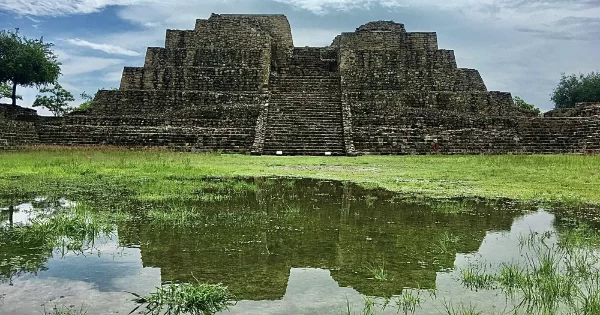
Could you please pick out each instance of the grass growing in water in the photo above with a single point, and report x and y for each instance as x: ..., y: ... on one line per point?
x: 445, y: 241
x: 378, y: 272
x: 408, y: 302
x: 460, y: 309
x: 177, y: 216
x: 554, y: 276
x: 63, y: 310
x: 186, y: 298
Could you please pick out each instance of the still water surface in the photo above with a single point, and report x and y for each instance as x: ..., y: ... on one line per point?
x: 281, y: 246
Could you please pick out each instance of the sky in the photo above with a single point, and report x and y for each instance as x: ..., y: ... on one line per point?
x: 518, y: 46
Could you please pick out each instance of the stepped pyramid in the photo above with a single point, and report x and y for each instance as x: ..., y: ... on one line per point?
x: 236, y: 83
x: 242, y: 82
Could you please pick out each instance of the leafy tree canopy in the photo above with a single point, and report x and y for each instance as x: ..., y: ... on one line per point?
x: 526, y: 106
x: 56, y: 101
x: 26, y: 62
x: 575, y: 89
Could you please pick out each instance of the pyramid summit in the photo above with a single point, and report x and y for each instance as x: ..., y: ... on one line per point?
x: 237, y: 83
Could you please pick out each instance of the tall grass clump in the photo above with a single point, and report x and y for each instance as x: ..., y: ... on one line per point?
x: 554, y: 276
x: 446, y: 242
x: 460, y: 309
x: 378, y: 272
x: 177, y: 215
x: 406, y: 303
x: 186, y: 298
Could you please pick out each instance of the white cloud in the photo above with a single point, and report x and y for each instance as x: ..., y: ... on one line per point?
x: 113, y: 76
x: 62, y: 7
x: 84, y: 64
x: 107, y: 48
x: 76, y: 65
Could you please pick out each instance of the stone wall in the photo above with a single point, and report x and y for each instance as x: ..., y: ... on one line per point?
x: 16, y: 128
x: 177, y: 134
x: 580, y: 110
x: 425, y: 131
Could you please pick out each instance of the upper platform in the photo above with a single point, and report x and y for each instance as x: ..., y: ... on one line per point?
x: 243, y: 53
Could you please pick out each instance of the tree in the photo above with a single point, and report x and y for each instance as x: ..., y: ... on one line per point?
x: 6, y: 91
x: 519, y: 102
x: 87, y: 101
x: 26, y: 62
x: 57, y: 102
x: 575, y: 89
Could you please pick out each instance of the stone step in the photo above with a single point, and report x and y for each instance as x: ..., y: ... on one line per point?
x: 324, y: 117
x: 322, y: 132
x: 299, y: 77
x: 305, y: 104
x: 300, y: 139
x: 300, y: 71
x: 303, y: 152
x: 324, y: 146
x: 306, y: 125
x: 293, y: 142
x: 276, y: 119
x: 292, y: 116
x: 305, y: 111
x: 293, y: 86
x: 297, y: 126
x: 286, y: 123
x: 299, y: 100
x: 313, y: 96
x: 317, y: 83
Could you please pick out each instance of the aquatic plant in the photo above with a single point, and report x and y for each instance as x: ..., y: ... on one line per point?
x: 370, y: 200
x: 449, y: 206
x: 408, y: 302
x: 176, y: 215
x: 460, y: 309
x: 291, y: 209
x: 64, y: 310
x: 475, y: 278
x: 369, y: 306
x: 553, y: 276
x: 445, y: 241
x: 378, y: 272
x: 187, y: 298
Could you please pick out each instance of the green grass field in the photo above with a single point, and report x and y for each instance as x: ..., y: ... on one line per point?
x: 158, y: 174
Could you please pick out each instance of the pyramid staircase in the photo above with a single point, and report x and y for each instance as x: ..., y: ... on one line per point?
x: 305, y: 110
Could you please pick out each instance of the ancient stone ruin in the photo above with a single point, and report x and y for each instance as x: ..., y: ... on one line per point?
x: 236, y: 83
